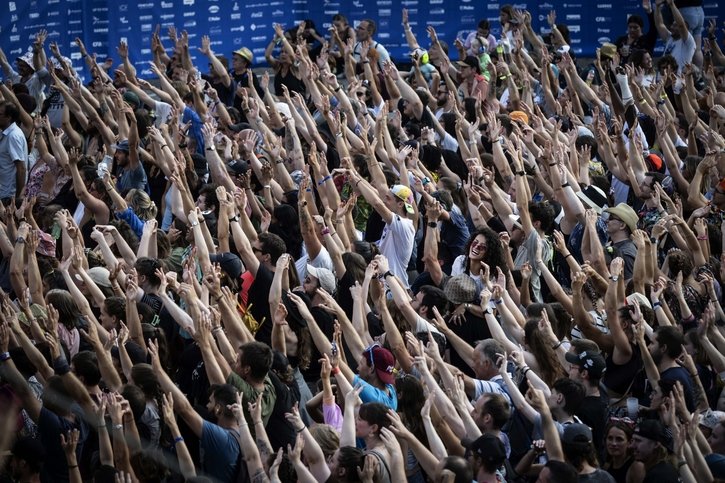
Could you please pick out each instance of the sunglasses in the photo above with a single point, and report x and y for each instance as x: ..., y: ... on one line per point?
x: 370, y: 350
x: 625, y: 420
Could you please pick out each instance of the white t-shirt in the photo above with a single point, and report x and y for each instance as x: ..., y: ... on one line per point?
x: 397, y: 246
x: 322, y: 260
x: 163, y: 112
x: 683, y: 50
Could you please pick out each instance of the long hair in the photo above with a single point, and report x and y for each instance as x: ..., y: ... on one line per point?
x: 141, y: 204
x: 410, y: 401
x: 549, y: 365
x: 68, y: 311
x: 627, y: 429
x: 494, y: 256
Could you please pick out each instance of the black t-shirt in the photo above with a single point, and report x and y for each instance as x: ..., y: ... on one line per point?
x: 662, y: 472
x: 593, y: 413
x: 279, y: 430
x: 259, y: 303
x: 471, y: 330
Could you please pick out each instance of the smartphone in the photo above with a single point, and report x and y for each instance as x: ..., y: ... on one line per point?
x: 55, y: 232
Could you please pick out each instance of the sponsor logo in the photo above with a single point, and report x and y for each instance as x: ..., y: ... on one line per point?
x: 100, y: 31
x: 123, y: 20
x: 147, y: 27
x: 98, y: 21
x: 384, y: 35
x: 15, y: 38
x: 123, y: 8
x: 236, y: 6
x: 385, y: 12
x: 75, y: 55
x: 493, y: 6
x: 572, y: 5
x: 258, y: 50
x: 189, y: 23
x: 188, y: 3
x: 214, y: 9
x: 405, y: 3
x: 146, y: 18
x: 437, y: 11
x: 259, y: 38
x: 13, y: 18
x: 602, y: 40
x: 74, y: 22
x: 33, y: 15
x: 12, y: 7
x: 236, y: 16
x: 546, y: 6
x: 437, y: 23
x: 237, y: 29
x: 575, y: 28
x: 167, y: 4
x: 189, y: 14
x: 256, y: 15
x: 145, y: 5
x: 100, y: 10
x: 603, y: 31
x: 466, y: 8
x: 214, y: 19
x: 305, y: 12
x: 167, y: 16
x: 75, y: 32
x: 602, y: 19
x: 576, y: 41
x: 215, y: 30
x: 277, y: 13
x: 604, y: 6
x: 145, y: 51
x: 574, y: 17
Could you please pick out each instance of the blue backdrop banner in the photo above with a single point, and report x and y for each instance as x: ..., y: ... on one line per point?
x: 102, y: 24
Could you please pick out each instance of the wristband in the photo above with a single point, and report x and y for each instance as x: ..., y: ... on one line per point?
x: 325, y: 231
x: 5, y: 356
x: 20, y: 240
x: 656, y: 304
x: 558, y: 345
x: 567, y: 256
x: 234, y: 218
x: 61, y: 366
x: 194, y: 225
x: 702, y: 238
x: 335, y: 371
x: 322, y: 181
x: 498, y: 302
x: 520, y: 173
x: 118, y: 426
x: 566, y: 185
x: 178, y: 439
x: 387, y: 274
x: 432, y: 224
x: 73, y: 467
x: 298, y: 431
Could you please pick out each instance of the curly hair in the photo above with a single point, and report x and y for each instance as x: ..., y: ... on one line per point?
x: 495, y: 257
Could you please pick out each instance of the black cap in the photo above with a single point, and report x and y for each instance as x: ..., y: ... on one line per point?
x: 229, y: 262
x: 470, y: 61
x: 576, y: 433
x: 593, y: 362
x: 652, y: 429
x: 488, y: 447
x: 29, y: 449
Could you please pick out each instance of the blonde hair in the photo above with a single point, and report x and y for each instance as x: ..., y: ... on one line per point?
x: 142, y: 205
x: 327, y: 437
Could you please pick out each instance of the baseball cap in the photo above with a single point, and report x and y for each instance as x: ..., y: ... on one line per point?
x: 460, y: 289
x: 325, y: 276
x: 653, y: 430
x: 470, y: 61
x: 99, y: 275
x: 229, y: 262
x: 593, y: 362
x: 245, y: 53
x: 710, y: 419
x: 383, y: 362
x: 488, y: 447
x: 132, y: 99
x: 625, y: 213
x: 404, y: 193
x: 122, y: 146
x: 576, y: 433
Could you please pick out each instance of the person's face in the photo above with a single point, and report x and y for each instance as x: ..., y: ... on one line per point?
x: 479, y: 413
x: 642, y: 448
x: 120, y: 157
x: 634, y: 31
x: 392, y: 202
x: 575, y: 373
x: 442, y: 97
x: 614, y: 224
x: 107, y: 321
x: 466, y: 72
x: 257, y: 249
x: 310, y: 284
x: 656, y: 350
x: 718, y: 197
x: 675, y: 30
x: 5, y: 120
x: 646, y: 187
x: 238, y: 62
x: 363, y: 429
x: 340, y: 25
x: 616, y: 442
x: 717, y: 439
x: 364, y: 368
x: 284, y: 58
x: 417, y: 301
x: 647, y: 61
x: 362, y: 31
x: 481, y: 364
x: 478, y: 248
x: 483, y: 32
x: 504, y: 18
x: 555, y: 399
x: 201, y: 202
x: 23, y: 68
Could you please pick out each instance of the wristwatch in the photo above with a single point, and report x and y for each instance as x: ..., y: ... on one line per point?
x: 614, y: 278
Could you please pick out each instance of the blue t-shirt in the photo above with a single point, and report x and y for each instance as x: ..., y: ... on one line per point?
x: 195, y: 129
x: 371, y: 393
x: 129, y: 179
x: 220, y: 452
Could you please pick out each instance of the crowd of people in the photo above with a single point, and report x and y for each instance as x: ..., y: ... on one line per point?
x: 502, y: 265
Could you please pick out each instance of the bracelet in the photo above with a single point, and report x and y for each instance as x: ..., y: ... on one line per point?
x: 520, y: 173
x: 338, y: 135
x: 325, y: 231
x: 335, y: 371
x: 432, y: 224
x: 388, y: 274
x: 321, y: 182
x: 72, y: 467
x: 234, y: 218
x: 20, y: 240
x: 298, y: 431
x: 702, y: 238
x: 5, y: 356
x: 681, y: 464
x: 479, y: 206
x: 267, y: 186
x: 337, y: 89
x: 656, y: 304
x: 366, y: 61
x: 193, y: 225
x: 178, y: 439
x: 567, y: 256
x: 358, y: 182
x: 566, y: 185
x: 163, y: 146
x: 525, y: 371
x: 498, y: 302
x: 333, y: 233
x: 118, y: 426
x: 558, y: 345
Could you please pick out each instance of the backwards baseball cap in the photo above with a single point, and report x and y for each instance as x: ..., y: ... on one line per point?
x: 576, y: 433
x: 421, y: 54
x: 404, y: 193
x: 653, y: 430
x: 383, y: 362
x: 625, y: 213
x: 593, y: 362
x: 325, y: 276
x: 489, y: 448
x: 245, y: 53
